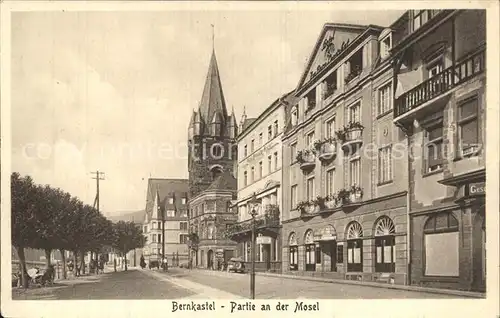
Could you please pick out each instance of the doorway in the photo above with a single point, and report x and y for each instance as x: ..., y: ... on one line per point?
x: 266, y: 255
x: 333, y: 255
x: 210, y: 259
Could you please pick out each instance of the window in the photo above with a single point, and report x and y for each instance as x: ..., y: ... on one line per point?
x: 276, y: 128
x: 252, y: 174
x: 330, y: 84
x: 354, y: 248
x: 183, y: 238
x: 269, y: 132
x: 330, y: 128
x: 245, y: 179
x: 183, y: 201
x: 217, y: 150
x: 468, y: 132
x: 170, y: 200
x: 269, y: 164
x: 434, y: 147
x: 158, y: 250
x: 441, y: 239
x: 355, y: 65
x: 293, y: 196
x: 340, y: 254
x: 318, y: 255
x: 355, y: 113
x: 183, y: 226
x: 154, y: 238
x: 417, y: 19
x: 252, y: 146
x: 210, y: 206
x: 245, y: 151
x: 260, y: 139
x: 330, y: 182
x: 354, y: 172
x: 159, y: 238
x: 154, y: 225
x: 310, y: 252
x: 384, y: 99
x: 310, y: 139
x: 385, y: 46
x: 170, y: 214
x: 310, y: 189
x: 293, y: 152
x: 275, y: 161
x: 434, y: 68
x: 385, y: 164
x: 294, y: 259
x: 311, y: 99
x: 385, y: 246
x: 145, y: 228
x: 260, y: 169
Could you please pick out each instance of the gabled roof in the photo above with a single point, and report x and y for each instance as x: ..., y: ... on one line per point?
x: 212, y: 99
x: 163, y: 188
x: 225, y: 181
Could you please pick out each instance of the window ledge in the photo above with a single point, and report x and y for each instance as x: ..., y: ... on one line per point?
x: 390, y: 111
x: 469, y: 156
x: 384, y: 183
x: 427, y: 174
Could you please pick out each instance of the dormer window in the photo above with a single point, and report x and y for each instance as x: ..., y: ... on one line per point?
x: 311, y: 99
x: 422, y: 16
x: 355, y: 65
x: 385, y: 43
x: 330, y: 84
x: 295, y: 115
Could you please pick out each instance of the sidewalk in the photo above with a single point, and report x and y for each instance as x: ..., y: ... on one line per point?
x: 452, y: 292
x: 200, y: 291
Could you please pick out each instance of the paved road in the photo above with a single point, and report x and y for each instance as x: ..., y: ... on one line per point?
x: 132, y: 284
x: 276, y: 288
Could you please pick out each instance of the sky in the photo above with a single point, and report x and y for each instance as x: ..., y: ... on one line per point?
x: 114, y: 91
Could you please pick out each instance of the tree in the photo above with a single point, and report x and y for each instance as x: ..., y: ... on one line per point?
x: 126, y: 237
x: 23, y: 204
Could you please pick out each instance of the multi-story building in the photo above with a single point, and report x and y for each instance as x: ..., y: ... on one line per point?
x: 166, y: 199
x: 260, y: 174
x: 212, y: 185
x: 344, y: 196
x: 440, y: 104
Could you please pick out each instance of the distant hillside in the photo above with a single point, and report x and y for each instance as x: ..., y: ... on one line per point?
x: 136, y: 216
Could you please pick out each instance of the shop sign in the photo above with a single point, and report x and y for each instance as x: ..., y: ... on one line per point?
x: 263, y: 240
x: 477, y: 188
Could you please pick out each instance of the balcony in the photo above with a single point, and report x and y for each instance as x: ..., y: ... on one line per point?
x: 345, y: 199
x: 326, y: 149
x: 418, y: 97
x: 307, y: 159
x: 270, y: 218
x: 330, y: 89
x: 351, y: 136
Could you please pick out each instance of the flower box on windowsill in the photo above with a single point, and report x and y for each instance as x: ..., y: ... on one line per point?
x: 306, y: 159
x: 328, y: 150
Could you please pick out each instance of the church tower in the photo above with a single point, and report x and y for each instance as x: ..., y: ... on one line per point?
x: 212, y: 135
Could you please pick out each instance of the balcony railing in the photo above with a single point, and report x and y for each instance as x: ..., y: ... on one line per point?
x: 270, y: 218
x: 440, y: 83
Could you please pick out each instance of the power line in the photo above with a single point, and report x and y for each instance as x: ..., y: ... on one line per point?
x: 98, y: 176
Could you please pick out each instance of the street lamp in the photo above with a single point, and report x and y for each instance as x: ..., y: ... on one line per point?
x: 254, y: 201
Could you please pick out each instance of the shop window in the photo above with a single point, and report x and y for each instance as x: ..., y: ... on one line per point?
x: 310, y: 252
x: 354, y: 248
x: 441, y: 243
x: 385, y: 246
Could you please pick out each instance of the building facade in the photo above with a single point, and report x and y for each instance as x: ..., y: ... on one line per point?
x: 212, y: 154
x: 260, y: 173
x: 210, y: 215
x: 167, y: 204
x: 440, y: 103
x: 344, y: 199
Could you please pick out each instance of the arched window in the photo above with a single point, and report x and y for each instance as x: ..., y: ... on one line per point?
x: 293, y: 251
x: 310, y: 251
x: 385, y: 245
x: 354, y: 247
x: 216, y: 171
x: 441, y: 243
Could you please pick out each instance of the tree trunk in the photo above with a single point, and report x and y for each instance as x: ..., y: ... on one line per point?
x: 22, y: 260
x: 125, y: 258
x: 63, y: 257
x: 48, y: 252
x: 82, y: 262
x: 75, y: 262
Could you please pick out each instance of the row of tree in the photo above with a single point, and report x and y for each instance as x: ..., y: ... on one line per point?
x: 50, y: 219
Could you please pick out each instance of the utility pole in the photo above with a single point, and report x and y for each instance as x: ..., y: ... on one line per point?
x: 98, y: 176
